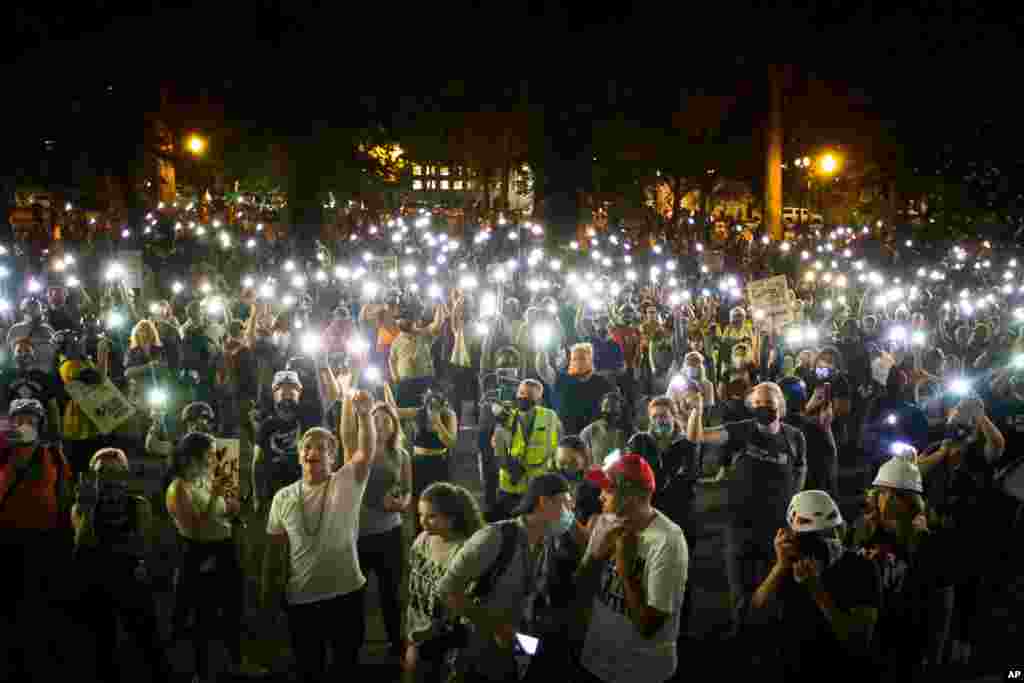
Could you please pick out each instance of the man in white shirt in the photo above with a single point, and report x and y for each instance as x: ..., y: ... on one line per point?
x: 633, y: 576
x: 311, y: 556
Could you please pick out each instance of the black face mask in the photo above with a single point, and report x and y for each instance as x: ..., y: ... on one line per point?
x: 526, y: 404
x: 287, y: 408
x: 765, y: 415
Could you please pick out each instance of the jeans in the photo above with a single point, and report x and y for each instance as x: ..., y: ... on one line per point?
x: 212, y: 585
x: 381, y: 554
x: 111, y: 591
x: 334, y: 626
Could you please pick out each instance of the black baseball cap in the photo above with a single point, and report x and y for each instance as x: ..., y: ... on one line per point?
x: 547, y: 484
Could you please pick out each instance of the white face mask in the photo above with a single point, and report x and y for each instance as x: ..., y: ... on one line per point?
x: 25, y: 434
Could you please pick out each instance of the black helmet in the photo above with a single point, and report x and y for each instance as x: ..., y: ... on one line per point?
x: 194, y: 412
x: 29, y: 406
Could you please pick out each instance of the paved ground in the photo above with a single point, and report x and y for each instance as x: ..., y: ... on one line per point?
x: 267, y: 643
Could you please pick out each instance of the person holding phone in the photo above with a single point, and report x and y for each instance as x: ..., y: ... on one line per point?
x: 830, y: 598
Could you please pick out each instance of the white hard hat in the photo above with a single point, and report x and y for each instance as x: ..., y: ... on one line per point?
x: 813, y: 511
x: 899, y: 473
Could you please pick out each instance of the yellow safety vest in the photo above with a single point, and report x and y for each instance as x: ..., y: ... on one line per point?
x: 534, y: 457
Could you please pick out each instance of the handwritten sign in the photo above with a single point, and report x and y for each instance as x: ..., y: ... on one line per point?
x: 225, y: 464
x: 769, y: 295
x: 103, y: 403
x: 384, y: 265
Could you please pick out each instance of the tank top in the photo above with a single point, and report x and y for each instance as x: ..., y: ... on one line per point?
x: 216, y: 527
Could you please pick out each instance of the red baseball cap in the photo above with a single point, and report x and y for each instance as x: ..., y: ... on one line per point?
x: 631, y: 467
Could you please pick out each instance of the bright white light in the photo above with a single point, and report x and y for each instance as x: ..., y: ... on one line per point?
x: 542, y: 335
x: 289, y: 300
x: 115, y: 271
x: 311, y: 342
x: 468, y: 282
x: 488, y: 304
x: 34, y: 286
x: 556, y: 265
x: 898, y: 334
x: 434, y: 291
x: 357, y: 346
x: 370, y: 289
x: 205, y: 288
x: 115, y: 320
x: 289, y: 266
x: 631, y: 275
x: 298, y: 282
x: 918, y: 338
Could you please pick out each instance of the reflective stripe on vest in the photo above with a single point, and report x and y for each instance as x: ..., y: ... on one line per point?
x: 534, y: 457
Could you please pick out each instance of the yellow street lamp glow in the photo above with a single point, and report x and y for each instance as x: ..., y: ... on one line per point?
x: 196, y: 144
x: 828, y: 163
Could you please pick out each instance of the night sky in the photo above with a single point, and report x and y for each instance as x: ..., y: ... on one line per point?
x: 931, y: 75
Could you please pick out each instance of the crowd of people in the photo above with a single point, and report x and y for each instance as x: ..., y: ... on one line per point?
x: 598, y: 406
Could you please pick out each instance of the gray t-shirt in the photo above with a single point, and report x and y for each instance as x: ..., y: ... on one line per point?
x: 429, y: 559
x: 385, y: 479
x: 614, y: 651
x: 513, y: 592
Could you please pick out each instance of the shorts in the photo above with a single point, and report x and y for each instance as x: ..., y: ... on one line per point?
x: 427, y: 470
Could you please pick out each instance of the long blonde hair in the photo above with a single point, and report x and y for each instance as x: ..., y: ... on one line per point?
x: 397, y: 439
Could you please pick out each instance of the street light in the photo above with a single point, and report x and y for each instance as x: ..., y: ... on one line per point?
x: 196, y: 144
x: 828, y: 163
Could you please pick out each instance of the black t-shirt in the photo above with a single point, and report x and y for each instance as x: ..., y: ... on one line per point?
x: 677, y: 479
x: 822, y: 456
x: 765, y: 468
x: 810, y: 645
x: 910, y: 583
x: 34, y: 383
x: 578, y: 402
x: 279, y: 441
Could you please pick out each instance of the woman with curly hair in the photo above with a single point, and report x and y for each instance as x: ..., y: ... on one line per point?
x: 449, y: 515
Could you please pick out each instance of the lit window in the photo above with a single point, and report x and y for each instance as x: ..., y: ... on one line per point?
x: 417, y: 169
x: 444, y: 184
x: 456, y: 184
x: 469, y: 185
x: 444, y: 170
x: 417, y: 184
x: 431, y: 184
x: 430, y: 170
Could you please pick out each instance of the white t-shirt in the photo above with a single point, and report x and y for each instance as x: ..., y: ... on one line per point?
x: 324, y: 563
x: 614, y: 650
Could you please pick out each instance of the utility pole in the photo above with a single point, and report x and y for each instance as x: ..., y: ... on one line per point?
x: 773, y: 158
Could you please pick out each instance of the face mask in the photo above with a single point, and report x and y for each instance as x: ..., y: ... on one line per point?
x: 525, y: 404
x: 662, y: 427
x: 765, y: 415
x: 564, y: 523
x: 25, y: 434
x: 287, y: 408
x: 880, y: 371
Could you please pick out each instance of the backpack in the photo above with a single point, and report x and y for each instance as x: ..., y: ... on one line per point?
x: 484, y: 586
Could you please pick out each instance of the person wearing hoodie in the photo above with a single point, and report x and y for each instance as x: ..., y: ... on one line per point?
x: 25, y: 380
